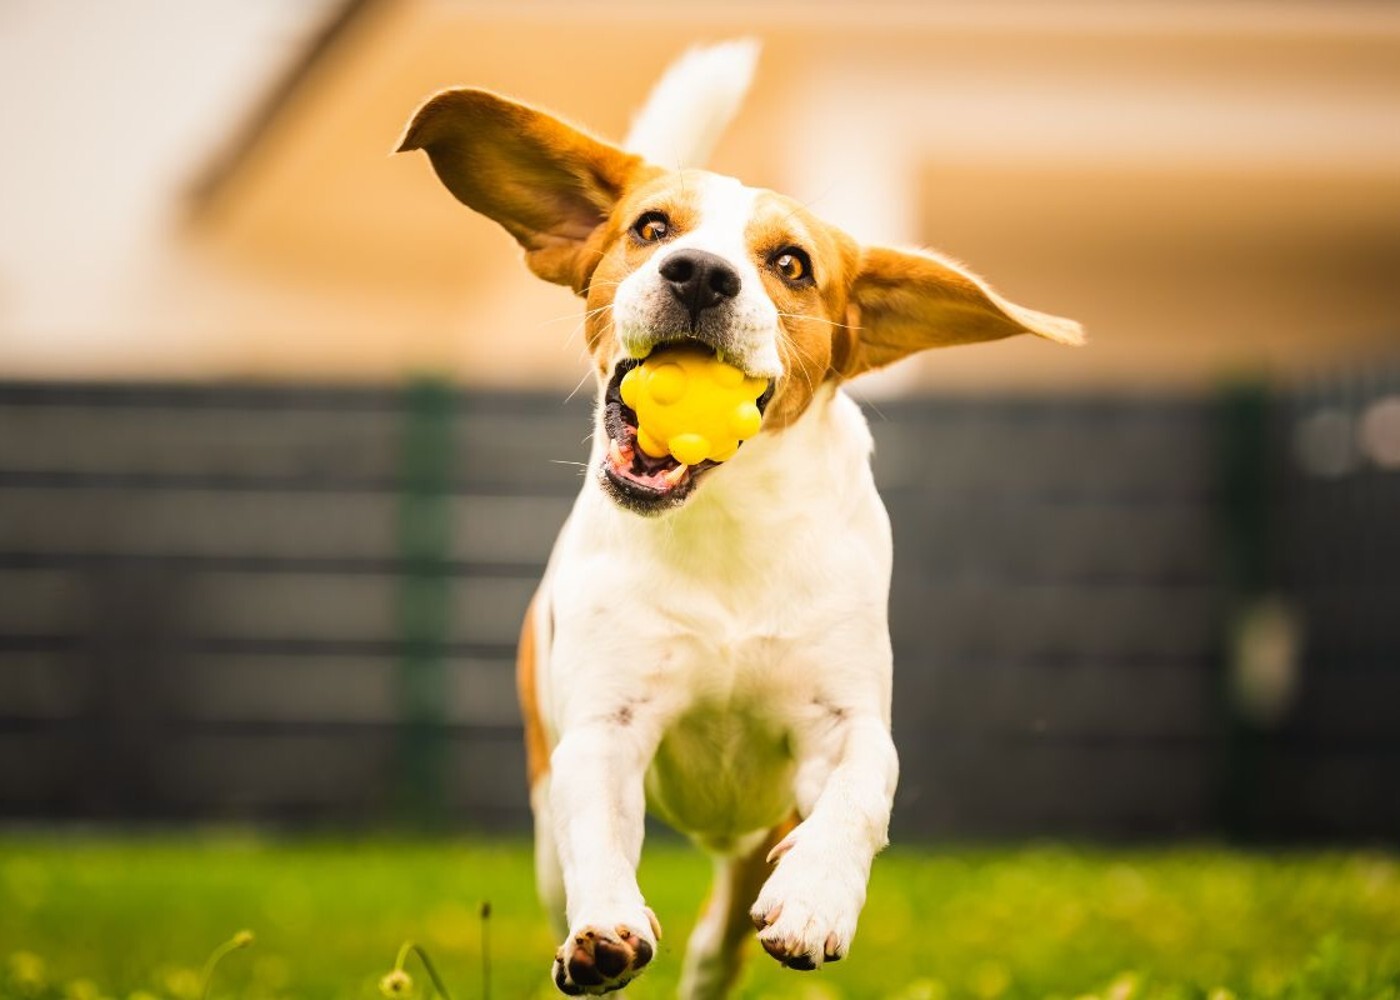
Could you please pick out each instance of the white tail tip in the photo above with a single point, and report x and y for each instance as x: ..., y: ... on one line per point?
x: 693, y: 103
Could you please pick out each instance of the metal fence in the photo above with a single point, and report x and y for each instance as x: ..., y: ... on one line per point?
x: 1315, y: 563
x: 300, y: 605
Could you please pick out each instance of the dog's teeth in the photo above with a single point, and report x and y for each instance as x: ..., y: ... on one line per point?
x: 674, y: 476
x: 615, y: 453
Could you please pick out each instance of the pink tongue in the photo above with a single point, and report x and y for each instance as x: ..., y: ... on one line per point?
x: 665, y: 480
x: 665, y: 475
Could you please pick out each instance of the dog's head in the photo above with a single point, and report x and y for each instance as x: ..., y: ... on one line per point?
x: 662, y: 256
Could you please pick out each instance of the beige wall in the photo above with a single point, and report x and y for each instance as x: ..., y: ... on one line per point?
x: 1207, y: 187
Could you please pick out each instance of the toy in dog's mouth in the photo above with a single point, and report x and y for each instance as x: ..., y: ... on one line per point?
x: 635, y: 479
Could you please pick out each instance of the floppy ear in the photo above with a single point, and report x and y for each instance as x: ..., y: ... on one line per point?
x: 549, y: 184
x: 908, y: 301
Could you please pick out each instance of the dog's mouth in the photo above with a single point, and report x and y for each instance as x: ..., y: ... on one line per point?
x: 634, y: 478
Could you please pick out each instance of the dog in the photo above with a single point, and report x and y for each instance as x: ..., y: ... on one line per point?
x: 709, y: 642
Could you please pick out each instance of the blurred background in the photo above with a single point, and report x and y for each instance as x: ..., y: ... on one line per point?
x: 286, y: 433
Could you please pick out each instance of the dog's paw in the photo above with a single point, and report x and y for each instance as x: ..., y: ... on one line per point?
x: 807, y: 910
x: 599, y: 958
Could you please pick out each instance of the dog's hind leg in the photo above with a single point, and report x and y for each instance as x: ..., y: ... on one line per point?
x: 714, y: 954
x: 549, y: 877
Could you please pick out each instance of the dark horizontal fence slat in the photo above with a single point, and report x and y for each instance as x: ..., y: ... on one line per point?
x: 1020, y: 538
x: 251, y: 775
x: 154, y: 437
x: 1059, y: 448
x: 997, y: 618
x: 336, y: 445
x: 1083, y: 699
x: 197, y: 523
x: 326, y: 607
x: 1005, y: 788
x: 268, y: 688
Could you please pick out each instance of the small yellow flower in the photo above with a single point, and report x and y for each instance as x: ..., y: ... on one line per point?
x: 82, y: 989
x: 1124, y: 987
x: 923, y: 989
x: 396, y: 984
x: 242, y: 939
x: 399, y: 984
x: 989, y: 980
x: 27, y: 971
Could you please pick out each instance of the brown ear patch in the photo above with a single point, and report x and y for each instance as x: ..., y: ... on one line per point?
x: 549, y: 184
x: 910, y: 301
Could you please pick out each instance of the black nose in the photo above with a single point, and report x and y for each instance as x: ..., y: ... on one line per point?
x: 699, y: 280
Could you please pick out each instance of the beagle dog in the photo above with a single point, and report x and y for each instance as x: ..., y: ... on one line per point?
x: 709, y: 642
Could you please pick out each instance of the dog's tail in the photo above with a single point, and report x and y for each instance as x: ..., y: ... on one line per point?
x: 693, y: 103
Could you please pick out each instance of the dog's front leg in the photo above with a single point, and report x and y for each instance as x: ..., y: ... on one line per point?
x: 598, y: 801
x: 806, y: 912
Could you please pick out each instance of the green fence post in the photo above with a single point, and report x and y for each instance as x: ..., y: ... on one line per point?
x: 424, y: 539
x: 1244, y: 554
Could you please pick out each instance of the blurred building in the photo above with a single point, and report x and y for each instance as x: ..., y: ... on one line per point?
x: 1205, y: 185
x: 282, y: 450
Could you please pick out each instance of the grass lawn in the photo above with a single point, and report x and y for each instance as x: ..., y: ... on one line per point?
x: 86, y: 917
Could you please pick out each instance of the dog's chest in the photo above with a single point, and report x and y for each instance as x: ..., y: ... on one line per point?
x: 749, y: 710
x: 721, y: 772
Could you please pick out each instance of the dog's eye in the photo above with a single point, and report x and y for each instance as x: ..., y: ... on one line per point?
x: 651, y: 227
x: 794, y: 265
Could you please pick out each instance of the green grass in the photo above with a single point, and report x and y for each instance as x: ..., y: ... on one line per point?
x: 116, y: 917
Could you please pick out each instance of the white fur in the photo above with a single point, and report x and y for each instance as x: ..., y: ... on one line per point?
x: 690, y: 107
x: 725, y: 207
x: 756, y: 610
x: 727, y: 663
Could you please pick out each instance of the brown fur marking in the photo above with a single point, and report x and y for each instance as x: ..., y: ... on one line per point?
x: 743, y: 880
x: 536, y: 745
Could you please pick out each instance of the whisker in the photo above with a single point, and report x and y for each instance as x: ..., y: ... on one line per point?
x: 818, y: 319
x: 789, y: 350
x: 809, y: 359
x: 569, y: 339
x: 579, y: 327
x: 812, y: 201
x: 586, y: 315
x: 574, y: 391
x: 867, y: 401
x: 794, y: 346
x: 574, y: 331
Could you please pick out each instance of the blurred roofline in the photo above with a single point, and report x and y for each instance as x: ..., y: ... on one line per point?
x: 1344, y: 18
x: 229, y: 156
x: 1104, y: 17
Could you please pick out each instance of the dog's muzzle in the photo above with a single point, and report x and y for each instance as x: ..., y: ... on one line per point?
x: 635, y: 479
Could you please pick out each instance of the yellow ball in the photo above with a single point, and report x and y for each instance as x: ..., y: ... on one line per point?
x: 691, y: 405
